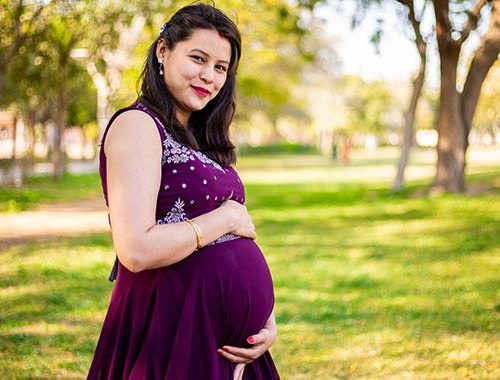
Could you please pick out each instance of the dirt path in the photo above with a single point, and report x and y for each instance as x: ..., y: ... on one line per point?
x: 53, y: 220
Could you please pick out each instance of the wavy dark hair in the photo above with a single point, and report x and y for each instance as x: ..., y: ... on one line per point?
x: 208, y: 128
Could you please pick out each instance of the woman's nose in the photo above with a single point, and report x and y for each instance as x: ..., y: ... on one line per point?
x: 207, y: 74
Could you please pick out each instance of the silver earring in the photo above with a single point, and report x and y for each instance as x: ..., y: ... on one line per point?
x: 160, y: 62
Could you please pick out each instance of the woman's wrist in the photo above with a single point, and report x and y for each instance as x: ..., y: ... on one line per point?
x: 199, y: 234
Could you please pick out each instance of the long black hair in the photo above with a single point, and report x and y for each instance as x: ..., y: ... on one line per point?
x: 208, y: 128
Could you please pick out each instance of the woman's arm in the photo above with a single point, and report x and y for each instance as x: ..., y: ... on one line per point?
x: 133, y: 152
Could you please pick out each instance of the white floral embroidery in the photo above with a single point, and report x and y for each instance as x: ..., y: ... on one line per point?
x: 175, y: 215
x: 176, y: 152
x: 203, y: 158
x: 226, y: 237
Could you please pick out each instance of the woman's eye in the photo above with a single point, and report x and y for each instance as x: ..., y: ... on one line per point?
x: 198, y: 58
x: 221, y: 68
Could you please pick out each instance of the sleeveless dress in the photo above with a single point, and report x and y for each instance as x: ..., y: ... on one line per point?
x: 168, y: 323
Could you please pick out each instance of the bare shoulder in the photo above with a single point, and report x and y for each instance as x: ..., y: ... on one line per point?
x: 132, y: 129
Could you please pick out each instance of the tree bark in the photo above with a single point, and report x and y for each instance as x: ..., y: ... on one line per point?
x: 456, y: 110
x: 451, y: 156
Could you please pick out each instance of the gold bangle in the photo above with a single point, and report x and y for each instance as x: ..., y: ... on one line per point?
x: 199, y: 235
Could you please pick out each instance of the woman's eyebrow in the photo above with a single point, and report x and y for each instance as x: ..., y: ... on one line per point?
x: 208, y: 55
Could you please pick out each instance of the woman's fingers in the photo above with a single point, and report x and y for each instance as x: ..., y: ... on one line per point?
x: 238, y: 371
x: 233, y: 357
x: 260, y: 344
x: 264, y: 336
x: 245, y: 353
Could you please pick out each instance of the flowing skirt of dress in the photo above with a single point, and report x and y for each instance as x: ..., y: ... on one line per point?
x: 169, y: 322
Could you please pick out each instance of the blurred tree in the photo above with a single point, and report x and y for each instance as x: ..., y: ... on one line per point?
x: 417, y: 84
x: 108, y: 49
x: 367, y: 103
x: 454, y: 21
x: 59, y: 72
x: 413, y: 15
x: 18, y: 24
x: 456, y: 109
x: 275, y: 51
x: 46, y: 81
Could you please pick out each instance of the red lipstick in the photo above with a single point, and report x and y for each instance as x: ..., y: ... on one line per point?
x: 200, y: 91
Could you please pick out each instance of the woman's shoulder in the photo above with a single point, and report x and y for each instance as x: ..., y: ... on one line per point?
x: 131, y: 126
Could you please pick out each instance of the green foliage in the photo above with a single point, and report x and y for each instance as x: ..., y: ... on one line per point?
x: 367, y: 103
x: 273, y: 54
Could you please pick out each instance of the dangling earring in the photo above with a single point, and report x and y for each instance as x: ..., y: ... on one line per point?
x: 160, y: 62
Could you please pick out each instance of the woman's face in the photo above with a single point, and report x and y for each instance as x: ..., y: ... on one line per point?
x: 195, y: 70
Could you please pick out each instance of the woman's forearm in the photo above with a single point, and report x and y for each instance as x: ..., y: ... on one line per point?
x: 166, y: 244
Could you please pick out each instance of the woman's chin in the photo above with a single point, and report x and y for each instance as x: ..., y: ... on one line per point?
x: 197, y: 106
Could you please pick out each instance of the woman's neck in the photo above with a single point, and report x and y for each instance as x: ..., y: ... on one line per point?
x: 183, y: 117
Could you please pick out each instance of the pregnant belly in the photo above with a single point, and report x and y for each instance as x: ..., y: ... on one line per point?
x: 235, y: 287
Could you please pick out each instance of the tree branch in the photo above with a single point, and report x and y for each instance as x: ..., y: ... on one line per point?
x: 474, y: 15
x: 415, y: 23
x: 484, y: 57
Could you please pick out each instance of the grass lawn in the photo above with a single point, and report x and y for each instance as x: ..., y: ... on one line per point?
x: 42, y: 189
x: 368, y: 285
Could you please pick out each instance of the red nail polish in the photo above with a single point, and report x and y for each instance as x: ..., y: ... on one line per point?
x: 250, y: 340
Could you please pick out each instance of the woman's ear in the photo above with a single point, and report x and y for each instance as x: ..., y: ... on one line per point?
x: 161, y: 48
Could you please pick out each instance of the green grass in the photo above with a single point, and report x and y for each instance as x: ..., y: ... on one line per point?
x: 368, y: 285
x: 42, y: 189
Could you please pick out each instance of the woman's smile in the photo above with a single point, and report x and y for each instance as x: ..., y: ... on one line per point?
x: 200, y: 91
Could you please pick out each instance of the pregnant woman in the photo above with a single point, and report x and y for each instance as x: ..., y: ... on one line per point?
x: 193, y: 297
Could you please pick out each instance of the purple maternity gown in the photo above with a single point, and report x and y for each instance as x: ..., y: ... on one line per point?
x: 168, y: 323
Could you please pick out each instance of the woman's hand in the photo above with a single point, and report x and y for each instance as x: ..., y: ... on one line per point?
x: 240, y: 221
x: 260, y: 343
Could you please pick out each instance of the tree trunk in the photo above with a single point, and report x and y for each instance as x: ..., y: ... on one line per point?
x: 61, y: 119
x: 450, y: 169
x: 103, y: 91
x: 418, y: 83
x: 408, y: 132
x: 14, y: 138
x: 30, y: 121
x: 456, y: 110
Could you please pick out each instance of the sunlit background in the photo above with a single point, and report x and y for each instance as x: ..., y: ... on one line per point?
x: 374, y: 189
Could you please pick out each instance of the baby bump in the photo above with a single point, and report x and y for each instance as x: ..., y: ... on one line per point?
x: 240, y: 278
